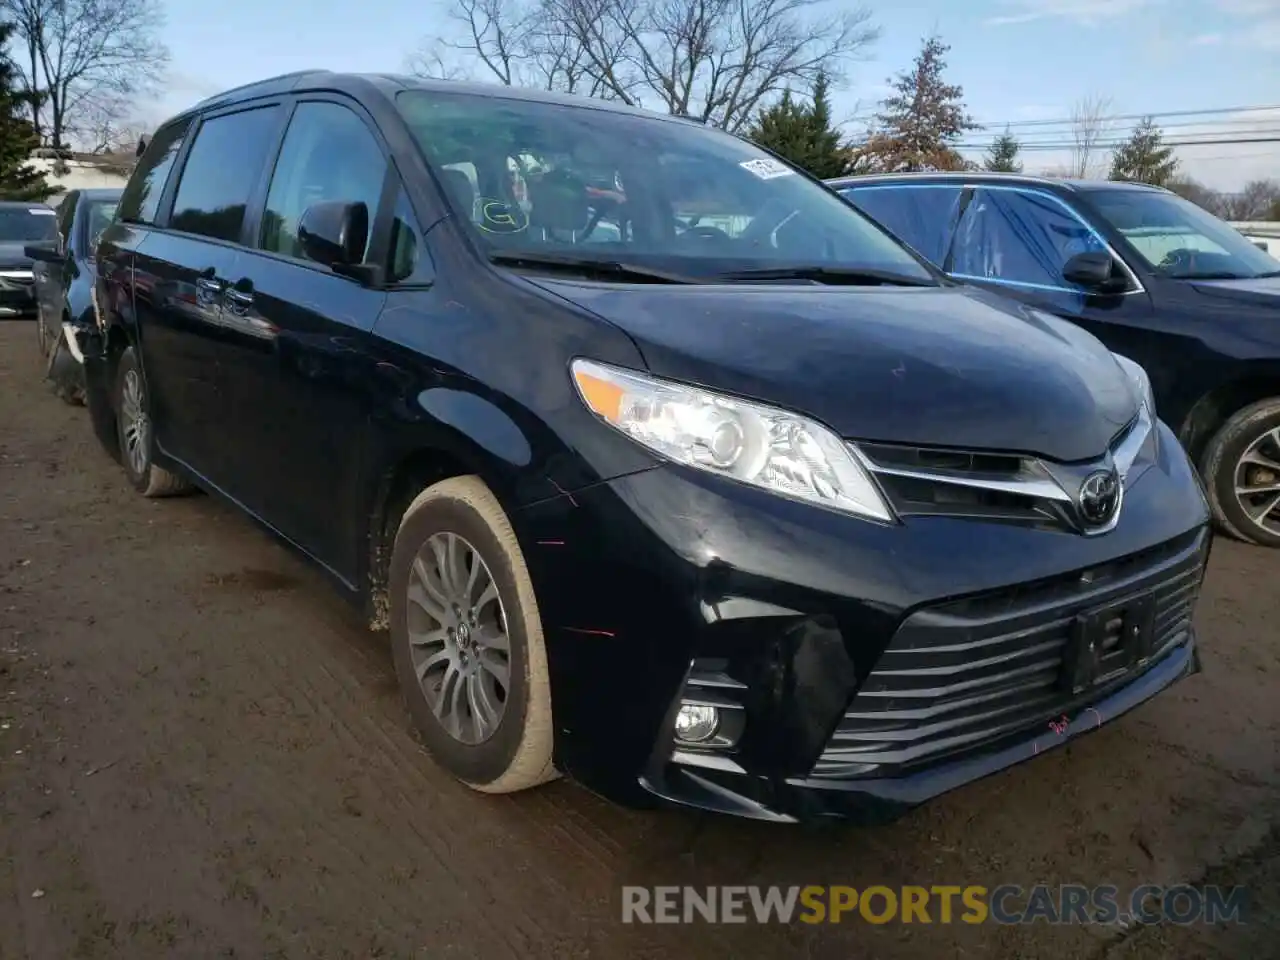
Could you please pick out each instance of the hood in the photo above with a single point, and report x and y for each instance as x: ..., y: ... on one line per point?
x: 1264, y: 291
x: 944, y: 366
x: 12, y: 253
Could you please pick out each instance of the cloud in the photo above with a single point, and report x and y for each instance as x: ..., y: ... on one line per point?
x: 1207, y: 40
x: 1086, y: 13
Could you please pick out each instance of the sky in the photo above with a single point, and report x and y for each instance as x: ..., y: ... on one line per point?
x: 1017, y: 60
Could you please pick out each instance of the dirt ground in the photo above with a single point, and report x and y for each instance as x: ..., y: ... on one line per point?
x: 203, y: 754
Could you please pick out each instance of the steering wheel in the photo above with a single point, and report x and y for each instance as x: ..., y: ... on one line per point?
x: 1181, y: 260
x: 705, y: 233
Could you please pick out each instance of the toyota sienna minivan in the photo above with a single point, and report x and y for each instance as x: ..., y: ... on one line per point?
x: 698, y: 487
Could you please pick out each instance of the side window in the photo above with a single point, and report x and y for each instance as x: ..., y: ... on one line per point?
x: 141, y: 199
x: 221, y: 171
x: 924, y: 218
x: 1019, y: 237
x: 328, y: 154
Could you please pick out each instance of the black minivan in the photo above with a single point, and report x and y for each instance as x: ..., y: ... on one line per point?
x: 695, y: 486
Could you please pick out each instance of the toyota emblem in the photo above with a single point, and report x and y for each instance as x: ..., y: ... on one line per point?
x: 1100, y: 497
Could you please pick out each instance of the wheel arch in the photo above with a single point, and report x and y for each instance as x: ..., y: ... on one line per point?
x: 488, y: 445
x: 1214, y: 408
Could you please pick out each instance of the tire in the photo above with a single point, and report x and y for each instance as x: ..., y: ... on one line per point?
x: 1257, y: 423
x: 138, y: 444
x: 516, y: 753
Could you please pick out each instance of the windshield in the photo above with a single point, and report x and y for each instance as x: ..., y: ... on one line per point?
x: 18, y: 224
x: 101, y: 213
x: 544, y: 179
x: 1178, y: 239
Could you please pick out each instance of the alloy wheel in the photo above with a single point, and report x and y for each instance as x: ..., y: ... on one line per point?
x: 1257, y: 482
x: 135, y: 422
x: 458, y: 639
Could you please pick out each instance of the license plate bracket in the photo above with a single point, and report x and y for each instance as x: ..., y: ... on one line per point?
x: 1108, y: 641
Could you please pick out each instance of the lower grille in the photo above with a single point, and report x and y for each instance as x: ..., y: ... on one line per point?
x: 963, y: 674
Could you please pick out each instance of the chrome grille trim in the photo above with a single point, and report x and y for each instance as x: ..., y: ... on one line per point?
x: 971, y: 671
x: 1025, y: 489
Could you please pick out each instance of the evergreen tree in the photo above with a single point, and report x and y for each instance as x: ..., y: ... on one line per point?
x: 1144, y: 158
x: 18, y: 138
x: 1002, y: 156
x: 918, y: 126
x: 803, y: 133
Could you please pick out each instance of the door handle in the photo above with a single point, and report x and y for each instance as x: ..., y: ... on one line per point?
x: 241, y: 298
x: 209, y: 285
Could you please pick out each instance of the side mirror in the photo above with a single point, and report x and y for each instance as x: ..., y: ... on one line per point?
x: 1093, y: 271
x: 142, y: 146
x: 335, y: 233
x: 1262, y: 245
x: 44, y: 254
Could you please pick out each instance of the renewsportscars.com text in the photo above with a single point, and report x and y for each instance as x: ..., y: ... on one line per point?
x: 1006, y: 904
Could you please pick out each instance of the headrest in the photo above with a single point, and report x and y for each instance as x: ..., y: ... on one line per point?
x: 558, y: 201
x: 459, y: 188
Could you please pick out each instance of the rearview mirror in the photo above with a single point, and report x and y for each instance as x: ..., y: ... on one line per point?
x: 1094, y: 270
x: 43, y: 254
x: 334, y: 233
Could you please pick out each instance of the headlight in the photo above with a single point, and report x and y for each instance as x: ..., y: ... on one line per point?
x: 773, y: 449
x: 1141, y: 382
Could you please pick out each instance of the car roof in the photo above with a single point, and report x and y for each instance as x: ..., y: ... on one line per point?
x: 1068, y: 185
x: 102, y: 193
x: 389, y: 84
x: 20, y: 205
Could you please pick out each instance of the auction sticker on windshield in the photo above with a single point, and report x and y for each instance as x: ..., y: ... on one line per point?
x: 766, y: 168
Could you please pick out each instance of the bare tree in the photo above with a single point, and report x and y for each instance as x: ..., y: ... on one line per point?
x: 85, y: 60
x: 716, y: 60
x: 1090, y: 121
x: 1256, y: 201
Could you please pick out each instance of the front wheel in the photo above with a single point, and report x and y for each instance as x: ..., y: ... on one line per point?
x: 133, y: 427
x: 1241, y: 467
x: 467, y: 639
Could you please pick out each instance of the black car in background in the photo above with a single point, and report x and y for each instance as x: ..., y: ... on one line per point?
x: 1153, y: 276
x: 64, y: 276
x: 746, y: 508
x: 21, y: 224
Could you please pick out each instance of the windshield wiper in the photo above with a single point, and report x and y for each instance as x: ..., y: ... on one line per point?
x: 836, y: 276
x: 607, y: 269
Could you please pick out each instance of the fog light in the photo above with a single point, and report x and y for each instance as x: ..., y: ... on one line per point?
x: 696, y: 723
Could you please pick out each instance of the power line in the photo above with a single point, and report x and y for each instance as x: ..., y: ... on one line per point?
x: 1155, y: 115
x: 1112, y: 144
x: 1068, y: 121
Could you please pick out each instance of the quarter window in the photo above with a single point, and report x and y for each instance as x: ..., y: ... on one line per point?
x: 328, y: 154
x: 1019, y: 237
x: 141, y: 199
x: 221, y: 171
x: 404, y: 242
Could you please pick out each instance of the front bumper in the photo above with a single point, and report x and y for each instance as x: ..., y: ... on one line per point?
x: 871, y: 667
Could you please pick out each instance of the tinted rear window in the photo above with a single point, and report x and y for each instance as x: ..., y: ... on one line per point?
x: 923, y: 217
x: 222, y: 168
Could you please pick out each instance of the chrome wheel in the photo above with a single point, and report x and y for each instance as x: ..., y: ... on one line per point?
x: 134, y: 422
x: 1257, y: 482
x: 458, y: 640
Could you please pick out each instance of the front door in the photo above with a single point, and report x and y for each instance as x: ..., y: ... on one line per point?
x: 297, y: 350
x: 1016, y: 241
